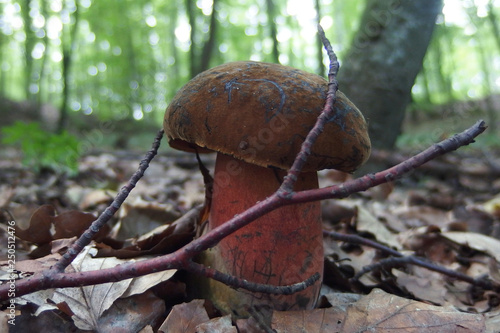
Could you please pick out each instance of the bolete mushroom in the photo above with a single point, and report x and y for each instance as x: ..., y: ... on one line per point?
x: 256, y: 116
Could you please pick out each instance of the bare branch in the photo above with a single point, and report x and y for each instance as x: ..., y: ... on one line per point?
x: 235, y: 282
x: 286, y: 188
x: 422, y: 262
x: 87, y: 236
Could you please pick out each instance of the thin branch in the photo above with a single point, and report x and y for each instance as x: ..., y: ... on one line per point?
x: 87, y: 236
x: 363, y: 183
x: 422, y: 262
x: 235, y: 282
x: 356, y: 239
x: 286, y: 188
x: 402, y: 260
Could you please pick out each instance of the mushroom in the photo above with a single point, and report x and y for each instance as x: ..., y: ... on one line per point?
x: 256, y: 116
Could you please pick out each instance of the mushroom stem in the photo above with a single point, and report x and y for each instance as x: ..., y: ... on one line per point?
x: 280, y: 248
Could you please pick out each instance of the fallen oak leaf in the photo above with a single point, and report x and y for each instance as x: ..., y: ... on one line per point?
x: 162, y: 240
x: 87, y: 304
x: 38, y: 231
x: 380, y: 312
x: 45, y: 226
x: 185, y: 317
x: 475, y: 241
x: 219, y: 324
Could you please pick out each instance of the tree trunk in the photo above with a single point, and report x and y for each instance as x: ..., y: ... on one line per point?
x: 321, y: 69
x: 273, y: 29
x: 384, y: 60
x: 209, y: 45
x: 193, y: 67
x: 68, y: 45
x: 28, y: 48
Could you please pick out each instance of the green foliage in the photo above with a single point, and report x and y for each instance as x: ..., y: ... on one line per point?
x: 42, y: 149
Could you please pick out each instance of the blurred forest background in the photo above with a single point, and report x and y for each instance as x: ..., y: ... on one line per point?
x: 114, y: 65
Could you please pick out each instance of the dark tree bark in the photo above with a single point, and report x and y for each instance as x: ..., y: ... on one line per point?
x: 68, y: 46
x: 321, y: 70
x: 193, y: 68
x: 273, y: 29
x: 208, y: 47
x: 383, y: 61
x: 28, y: 44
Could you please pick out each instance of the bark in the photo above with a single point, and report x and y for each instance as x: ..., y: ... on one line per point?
x: 208, y: 47
x: 193, y: 70
x: 42, y: 78
x: 28, y: 47
x: 321, y: 70
x: 494, y: 23
x: 484, y: 62
x: 68, y: 45
x: 384, y: 60
x: 273, y: 30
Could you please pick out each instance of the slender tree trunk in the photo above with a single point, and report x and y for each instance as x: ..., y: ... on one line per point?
x: 425, y: 84
x: 3, y: 47
x: 43, y: 65
x: 173, y: 49
x: 384, y: 60
x: 208, y: 47
x: 28, y: 47
x: 438, y: 52
x: 68, y: 46
x: 273, y: 30
x: 193, y: 66
x: 483, y: 61
x: 494, y: 23
x: 319, y: 44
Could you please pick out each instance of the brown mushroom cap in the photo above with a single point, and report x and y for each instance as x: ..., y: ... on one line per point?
x: 261, y: 113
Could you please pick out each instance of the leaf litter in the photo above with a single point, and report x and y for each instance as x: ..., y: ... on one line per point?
x: 453, y: 221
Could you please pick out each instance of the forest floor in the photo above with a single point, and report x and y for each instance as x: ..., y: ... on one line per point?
x: 447, y: 212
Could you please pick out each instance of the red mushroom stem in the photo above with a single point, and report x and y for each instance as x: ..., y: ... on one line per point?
x: 281, y: 248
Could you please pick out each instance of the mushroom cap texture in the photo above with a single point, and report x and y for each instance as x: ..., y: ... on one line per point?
x: 261, y: 113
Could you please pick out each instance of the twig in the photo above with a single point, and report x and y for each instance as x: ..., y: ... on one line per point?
x: 286, y: 188
x: 235, y: 282
x: 355, y: 239
x: 413, y: 260
x: 402, y: 260
x: 87, y: 236
x: 363, y: 183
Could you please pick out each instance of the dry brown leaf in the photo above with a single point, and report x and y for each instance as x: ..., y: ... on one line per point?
x: 380, y: 312
x: 318, y: 320
x: 46, y: 226
x: 96, y: 197
x: 249, y: 325
x: 185, y: 317
x: 132, y: 314
x: 478, y: 242
x: 217, y: 325
x: 163, y: 239
x: 383, y: 312
x: 417, y: 216
x: 369, y: 223
x: 423, y: 284
x: 38, y: 231
x: 493, y: 207
x: 87, y: 304
x: 138, y: 217
x: 74, y: 223
x: 35, y: 266
x: 492, y: 321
